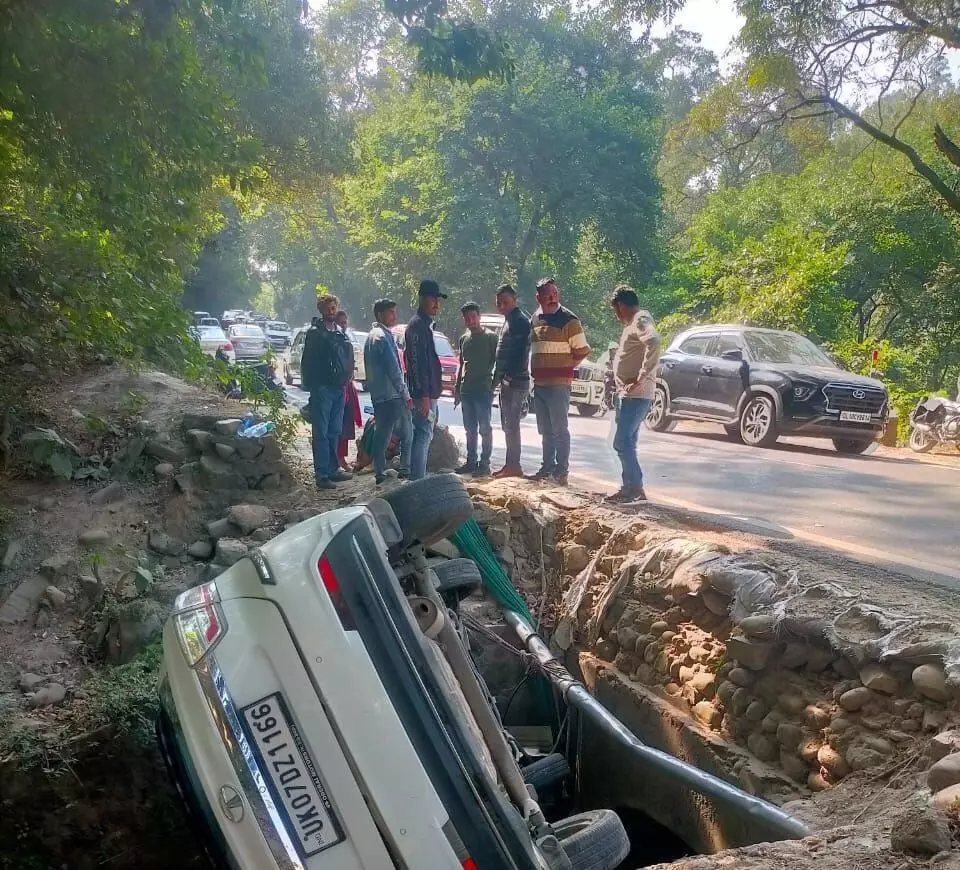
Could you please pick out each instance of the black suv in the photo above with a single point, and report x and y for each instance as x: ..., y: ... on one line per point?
x: 763, y: 383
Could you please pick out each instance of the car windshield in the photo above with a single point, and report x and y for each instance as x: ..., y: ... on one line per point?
x: 442, y: 344
x: 247, y: 331
x: 785, y: 348
x: 278, y: 326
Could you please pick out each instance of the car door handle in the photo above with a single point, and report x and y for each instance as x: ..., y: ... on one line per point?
x: 706, y: 370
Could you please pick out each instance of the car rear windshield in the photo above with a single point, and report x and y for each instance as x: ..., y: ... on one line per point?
x: 785, y: 348
x: 212, y: 332
x: 442, y: 344
x: 247, y: 331
x: 277, y: 326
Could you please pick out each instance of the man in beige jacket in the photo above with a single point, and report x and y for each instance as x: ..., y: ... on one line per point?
x: 635, y: 370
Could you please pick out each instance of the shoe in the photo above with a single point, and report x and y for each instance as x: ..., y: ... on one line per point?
x: 339, y: 476
x: 626, y: 495
x: 389, y: 474
x: 466, y: 468
x: 508, y: 471
x: 326, y: 483
x: 561, y: 479
x: 542, y: 474
x: 403, y: 473
x: 482, y: 471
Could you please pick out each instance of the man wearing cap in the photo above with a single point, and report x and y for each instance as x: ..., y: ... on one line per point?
x: 557, y: 347
x: 512, y: 375
x: 474, y: 389
x: 423, y: 374
x: 635, y: 370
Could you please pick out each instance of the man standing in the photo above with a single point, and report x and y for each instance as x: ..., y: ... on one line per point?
x: 558, y: 345
x: 474, y: 389
x: 423, y: 374
x: 512, y: 375
x: 635, y: 368
x: 388, y: 390
x: 325, y: 368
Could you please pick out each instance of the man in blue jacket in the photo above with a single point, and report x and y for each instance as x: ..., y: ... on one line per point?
x: 388, y: 391
x: 423, y: 374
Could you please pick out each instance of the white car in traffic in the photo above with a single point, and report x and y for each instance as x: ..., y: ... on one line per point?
x: 248, y: 340
x: 213, y: 338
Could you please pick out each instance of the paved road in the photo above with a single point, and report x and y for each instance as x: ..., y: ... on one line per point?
x: 882, y: 508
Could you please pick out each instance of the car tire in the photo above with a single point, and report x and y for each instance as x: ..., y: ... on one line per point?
x: 546, y: 772
x: 458, y: 577
x: 851, y: 446
x: 657, y: 418
x: 431, y: 509
x: 595, y: 840
x: 733, y: 433
x: 758, y: 422
x: 920, y: 442
x: 587, y: 410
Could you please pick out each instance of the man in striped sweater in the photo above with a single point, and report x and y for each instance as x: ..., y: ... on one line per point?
x: 557, y: 347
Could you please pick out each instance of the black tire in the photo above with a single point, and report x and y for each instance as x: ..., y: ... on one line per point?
x: 920, y: 442
x: 595, y: 840
x: 587, y: 410
x: 851, y: 445
x: 458, y: 577
x: 546, y: 772
x: 657, y: 418
x: 431, y: 509
x: 758, y: 422
x: 733, y: 433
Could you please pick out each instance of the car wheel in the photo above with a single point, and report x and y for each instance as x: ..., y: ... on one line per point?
x: 657, y: 418
x: 920, y: 442
x: 459, y: 577
x: 431, y: 509
x: 587, y: 410
x: 546, y: 771
x: 758, y: 422
x: 733, y: 433
x: 850, y: 445
x: 595, y: 840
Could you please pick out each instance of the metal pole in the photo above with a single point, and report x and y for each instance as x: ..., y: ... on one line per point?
x: 576, y: 694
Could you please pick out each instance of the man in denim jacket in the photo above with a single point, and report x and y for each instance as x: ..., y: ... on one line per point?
x: 388, y: 391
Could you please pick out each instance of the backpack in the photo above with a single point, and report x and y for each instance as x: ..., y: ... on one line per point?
x: 327, y: 359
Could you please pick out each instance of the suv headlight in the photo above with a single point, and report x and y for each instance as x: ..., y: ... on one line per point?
x: 801, y: 392
x: 199, y: 621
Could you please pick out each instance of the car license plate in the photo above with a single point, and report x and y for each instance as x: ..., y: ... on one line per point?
x: 291, y: 776
x: 854, y: 417
x: 578, y: 391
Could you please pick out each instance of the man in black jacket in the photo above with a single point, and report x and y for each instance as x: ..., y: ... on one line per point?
x: 423, y: 374
x: 512, y: 375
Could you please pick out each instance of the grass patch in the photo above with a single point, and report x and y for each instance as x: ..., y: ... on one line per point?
x: 125, y: 696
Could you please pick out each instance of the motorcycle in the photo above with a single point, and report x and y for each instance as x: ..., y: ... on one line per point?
x: 934, y: 421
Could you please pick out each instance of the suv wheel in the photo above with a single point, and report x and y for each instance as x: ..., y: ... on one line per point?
x: 758, y: 422
x: 850, y: 445
x: 657, y: 418
x: 587, y: 410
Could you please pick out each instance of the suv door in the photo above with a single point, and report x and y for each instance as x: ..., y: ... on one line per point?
x: 722, y: 381
x: 682, y: 370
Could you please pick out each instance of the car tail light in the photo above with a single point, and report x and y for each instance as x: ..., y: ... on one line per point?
x: 199, y: 621
x: 332, y: 585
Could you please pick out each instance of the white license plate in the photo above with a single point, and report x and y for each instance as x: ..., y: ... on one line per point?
x: 291, y: 776
x: 854, y: 417
x: 578, y: 391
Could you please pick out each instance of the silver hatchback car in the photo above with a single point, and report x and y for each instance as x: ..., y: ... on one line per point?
x: 249, y: 341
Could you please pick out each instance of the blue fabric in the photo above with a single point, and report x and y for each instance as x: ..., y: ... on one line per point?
x: 381, y: 360
x: 477, y: 408
x: 630, y: 415
x: 326, y: 415
x: 389, y: 417
x: 422, y: 436
x: 511, y: 407
x: 552, y: 405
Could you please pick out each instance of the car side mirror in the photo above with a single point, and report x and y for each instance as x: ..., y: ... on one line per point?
x: 735, y: 355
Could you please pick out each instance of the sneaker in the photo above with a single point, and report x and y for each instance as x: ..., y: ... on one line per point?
x: 508, y: 471
x: 626, y: 495
x: 326, y: 483
x: 389, y: 474
x: 482, y: 471
x: 339, y: 476
x: 542, y: 474
x: 560, y: 478
x: 403, y: 473
x: 466, y: 468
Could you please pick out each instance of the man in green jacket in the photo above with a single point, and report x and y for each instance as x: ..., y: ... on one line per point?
x: 474, y: 389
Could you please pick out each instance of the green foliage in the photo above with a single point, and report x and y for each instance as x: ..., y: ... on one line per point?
x: 125, y: 696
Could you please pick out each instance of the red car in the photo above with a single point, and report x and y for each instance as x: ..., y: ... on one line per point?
x: 449, y: 362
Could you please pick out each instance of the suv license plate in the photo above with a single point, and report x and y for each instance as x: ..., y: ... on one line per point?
x: 854, y: 417
x: 291, y: 776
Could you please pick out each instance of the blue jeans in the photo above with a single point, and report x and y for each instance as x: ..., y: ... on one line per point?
x: 511, y: 405
x: 630, y: 414
x: 326, y: 415
x: 422, y: 436
x: 391, y: 416
x: 477, y: 408
x: 552, y: 405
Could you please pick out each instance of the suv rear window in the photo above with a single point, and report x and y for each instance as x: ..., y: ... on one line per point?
x: 697, y: 344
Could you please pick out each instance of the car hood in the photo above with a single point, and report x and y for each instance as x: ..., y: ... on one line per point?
x: 820, y: 374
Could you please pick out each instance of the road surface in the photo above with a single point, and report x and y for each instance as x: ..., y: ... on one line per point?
x: 889, y: 510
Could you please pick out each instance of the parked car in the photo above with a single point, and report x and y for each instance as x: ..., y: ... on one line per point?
x: 292, y: 364
x: 209, y: 321
x: 314, y: 708
x: 763, y: 383
x: 587, y: 389
x: 200, y: 315
x: 248, y: 341
x: 358, y: 340
x: 278, y: 333
x: 211, y: 339
x: 449, y: 361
